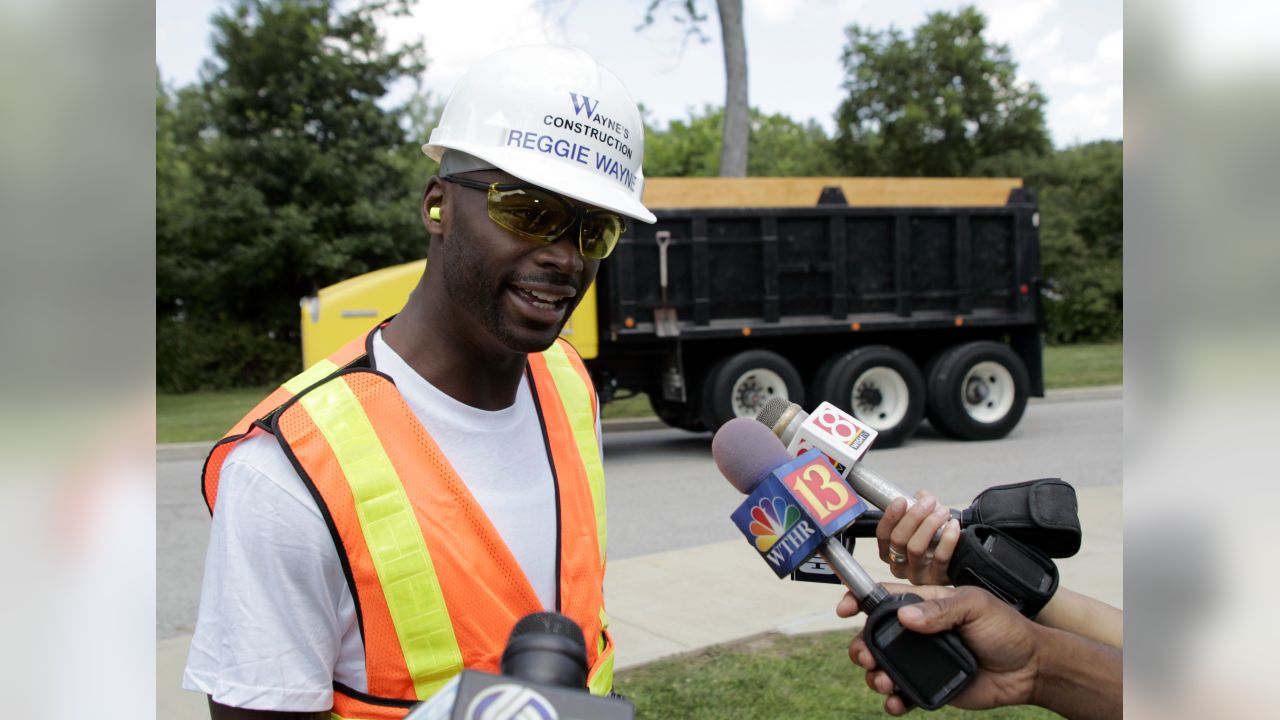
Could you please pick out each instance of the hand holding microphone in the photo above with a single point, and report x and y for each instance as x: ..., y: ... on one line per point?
x: 843, y: 440
x: 1041, y: 513
x: 1018, y: 662
x: 905, y: 538
x: 912, y: 539
x: 793, y: 509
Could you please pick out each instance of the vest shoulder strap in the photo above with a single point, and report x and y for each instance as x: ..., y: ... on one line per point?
x: 354, y: 354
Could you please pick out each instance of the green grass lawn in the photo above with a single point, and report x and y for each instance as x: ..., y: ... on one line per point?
x: 200, y: 417
x: 1068, y: 366
x: 773, y: 676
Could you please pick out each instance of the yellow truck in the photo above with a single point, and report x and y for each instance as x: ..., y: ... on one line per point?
x: 893, y: 298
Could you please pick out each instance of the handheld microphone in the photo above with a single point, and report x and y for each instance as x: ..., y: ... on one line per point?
x: 794, y: 508
x: 544, y: 675
x: 1042, y: 513
x: 843, y: 439
x: 985, y: 556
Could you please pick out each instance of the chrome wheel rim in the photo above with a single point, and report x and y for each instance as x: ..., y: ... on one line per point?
x: 987, y: 392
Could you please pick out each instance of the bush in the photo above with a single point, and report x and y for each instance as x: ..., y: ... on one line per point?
x: 194, y: 355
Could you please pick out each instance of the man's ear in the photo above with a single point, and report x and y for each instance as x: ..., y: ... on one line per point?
x: 433, y: 207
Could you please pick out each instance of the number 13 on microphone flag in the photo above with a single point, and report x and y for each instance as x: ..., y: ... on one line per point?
x: 795, y: 508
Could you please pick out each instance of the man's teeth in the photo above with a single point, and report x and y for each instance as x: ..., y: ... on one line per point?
x: 545, y: 298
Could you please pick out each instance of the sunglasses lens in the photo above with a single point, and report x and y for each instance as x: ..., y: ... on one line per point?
x: 600, y: 232
x: 529, y: 213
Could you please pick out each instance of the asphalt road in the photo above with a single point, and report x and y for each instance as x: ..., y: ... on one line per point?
x: 665, y: 492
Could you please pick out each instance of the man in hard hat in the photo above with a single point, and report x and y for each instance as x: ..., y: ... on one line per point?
x: 381, y: 521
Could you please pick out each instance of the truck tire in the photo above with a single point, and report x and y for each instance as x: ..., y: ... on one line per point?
x: 880, y: 386
x: 677, y: 414
x: 978, y: 391
x: 741, y: 384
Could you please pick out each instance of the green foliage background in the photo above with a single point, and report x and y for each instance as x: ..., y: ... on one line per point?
x: 279, y: 173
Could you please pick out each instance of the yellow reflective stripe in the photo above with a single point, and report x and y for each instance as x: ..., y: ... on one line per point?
x: 575, y: 395
x: 394, y: 538
x: 601, y: 680
x: 310, y: 376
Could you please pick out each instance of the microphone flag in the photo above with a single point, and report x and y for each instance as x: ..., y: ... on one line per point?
x: 794, y: 508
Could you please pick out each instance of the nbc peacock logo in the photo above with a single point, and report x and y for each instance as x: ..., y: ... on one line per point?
x: 771, y: 518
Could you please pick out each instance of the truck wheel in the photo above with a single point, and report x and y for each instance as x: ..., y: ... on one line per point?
x: 676, y: 414
x: 978, y: 391
x: 880, y: 386
x: 741, y: 384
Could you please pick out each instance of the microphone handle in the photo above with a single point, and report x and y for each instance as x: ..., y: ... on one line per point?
x: 864, y: 526
x: 879, y: 491
x: 868, y: 592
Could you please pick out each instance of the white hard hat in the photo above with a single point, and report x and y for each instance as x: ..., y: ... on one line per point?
x: 551, y: 116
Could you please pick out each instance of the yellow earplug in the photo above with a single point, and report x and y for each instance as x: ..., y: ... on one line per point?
x: 434, y: 214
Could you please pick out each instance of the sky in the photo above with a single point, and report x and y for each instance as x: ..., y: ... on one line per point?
x: 1073, y: 50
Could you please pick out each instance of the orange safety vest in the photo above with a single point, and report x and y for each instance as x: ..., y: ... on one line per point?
x: 436, y: 590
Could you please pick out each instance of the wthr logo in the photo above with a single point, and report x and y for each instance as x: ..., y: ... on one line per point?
x: 771, y: 518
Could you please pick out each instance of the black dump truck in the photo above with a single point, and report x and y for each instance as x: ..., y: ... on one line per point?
x: 911, y: 299
x: 892, y: 298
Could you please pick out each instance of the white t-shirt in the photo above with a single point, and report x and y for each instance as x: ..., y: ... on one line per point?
x: 277, y: 623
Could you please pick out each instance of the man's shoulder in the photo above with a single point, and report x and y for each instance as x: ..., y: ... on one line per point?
x: 258, y: 471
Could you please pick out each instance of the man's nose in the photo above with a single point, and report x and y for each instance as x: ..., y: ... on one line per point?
x: 562, y: 253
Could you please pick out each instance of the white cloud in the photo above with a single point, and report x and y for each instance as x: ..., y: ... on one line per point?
x: 1011, y: 20
x: 775, y: 12
x: 457, y: 34
x: 1111, y: 49
x: 1106, y: 66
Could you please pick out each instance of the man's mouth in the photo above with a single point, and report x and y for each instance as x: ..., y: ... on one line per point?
x: 549, y: 298
x: 546, y: 301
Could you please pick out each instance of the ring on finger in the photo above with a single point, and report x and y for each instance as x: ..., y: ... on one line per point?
x: 896, y: 556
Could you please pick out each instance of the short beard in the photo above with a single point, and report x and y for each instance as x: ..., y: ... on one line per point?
x: 461, y: 254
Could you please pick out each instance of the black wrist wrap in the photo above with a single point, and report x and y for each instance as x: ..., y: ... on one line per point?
x: 1041, y: 513
x: 1018, y: 574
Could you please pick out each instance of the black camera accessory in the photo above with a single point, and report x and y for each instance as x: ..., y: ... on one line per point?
x: 1018, y: 574
x: 927, y: 670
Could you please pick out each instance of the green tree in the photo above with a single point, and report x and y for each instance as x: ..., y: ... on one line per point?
x: 1081, y: 237
x: 778, y: 146
x: 298, y: 179
x: 735, y: 127
x: 939, y: 103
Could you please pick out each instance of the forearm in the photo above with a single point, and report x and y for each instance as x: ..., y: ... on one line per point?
x: 1082, y: 615
x: 1077, y: 677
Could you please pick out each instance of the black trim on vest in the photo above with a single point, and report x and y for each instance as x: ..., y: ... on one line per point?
x: 372, y: 699
x: 315, y: 492
x: 555, y: 478
x: 204, y: 469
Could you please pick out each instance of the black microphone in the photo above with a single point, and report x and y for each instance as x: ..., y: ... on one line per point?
x: 544, y: 675
x: 547, y: 648
x: 793, y: 510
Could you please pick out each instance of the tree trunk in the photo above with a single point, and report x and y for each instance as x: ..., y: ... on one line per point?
x: 733, y: 153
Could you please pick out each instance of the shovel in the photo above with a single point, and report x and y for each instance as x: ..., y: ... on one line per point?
x: 664, y: 318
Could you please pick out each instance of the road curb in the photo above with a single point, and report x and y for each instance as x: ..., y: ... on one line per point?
x: 1101, y: 392
x: 170, y: 452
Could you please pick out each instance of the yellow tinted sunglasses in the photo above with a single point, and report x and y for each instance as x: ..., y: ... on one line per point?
x: 535, y: 214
